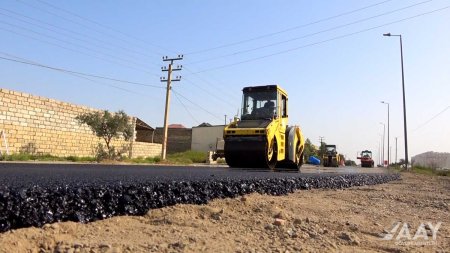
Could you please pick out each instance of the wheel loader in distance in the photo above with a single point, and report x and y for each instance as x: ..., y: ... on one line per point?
x: 366, y: 159
x: 261, y: 138
x: 331, y: 158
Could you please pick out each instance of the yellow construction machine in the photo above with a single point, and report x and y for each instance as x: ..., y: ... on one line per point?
x: 331, y: 158
x: 261, y: 138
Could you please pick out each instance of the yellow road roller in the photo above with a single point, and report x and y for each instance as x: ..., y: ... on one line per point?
x: 261, y: 138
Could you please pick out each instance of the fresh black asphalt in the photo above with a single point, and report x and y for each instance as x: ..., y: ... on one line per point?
x: 36, y: 194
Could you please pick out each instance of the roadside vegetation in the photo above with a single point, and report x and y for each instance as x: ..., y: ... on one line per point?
x: 44, y: 158
x: 187, y: 157
x: 423, y: 170
x: 108, y: 126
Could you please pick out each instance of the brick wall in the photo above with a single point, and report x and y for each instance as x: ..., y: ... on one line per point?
x: 41, y: 125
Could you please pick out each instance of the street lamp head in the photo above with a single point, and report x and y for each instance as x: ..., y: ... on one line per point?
x: 387, y: 34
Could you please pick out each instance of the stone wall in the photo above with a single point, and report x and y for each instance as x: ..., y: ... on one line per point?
x: 145, y: 149
x: 39, y: 125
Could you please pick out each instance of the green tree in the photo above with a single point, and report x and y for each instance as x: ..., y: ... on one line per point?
x: 310, y: 150
x: 322, y: 149
x: 107, y: 126
x: 350, y: 163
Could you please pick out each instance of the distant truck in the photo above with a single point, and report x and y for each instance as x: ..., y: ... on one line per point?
x: 219, y: 152
x: 366, y: 159
x: 331, y: 158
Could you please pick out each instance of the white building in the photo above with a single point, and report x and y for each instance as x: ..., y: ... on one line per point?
x: 432, y: 160
x: 205, y: 137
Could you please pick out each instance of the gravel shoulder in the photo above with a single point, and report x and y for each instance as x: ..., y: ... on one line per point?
x: 349, y: 220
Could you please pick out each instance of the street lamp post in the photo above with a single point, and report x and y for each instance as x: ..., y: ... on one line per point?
x: 395, y: 150
x: 379, y: 152
x: 384, y: 131
x: 404, y: 102
x: 389, y: 160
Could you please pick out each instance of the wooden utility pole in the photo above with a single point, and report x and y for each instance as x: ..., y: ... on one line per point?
x: 321, y: 140
x: 169, y: 80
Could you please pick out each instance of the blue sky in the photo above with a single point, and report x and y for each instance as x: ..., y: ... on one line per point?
x: 330, y: 56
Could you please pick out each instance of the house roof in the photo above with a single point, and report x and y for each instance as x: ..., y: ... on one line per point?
x: 204, y: 124
x: 176, y: 126
x: 141, y: 125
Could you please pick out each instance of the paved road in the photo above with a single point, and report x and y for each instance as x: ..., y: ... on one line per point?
x: 19, y: 175
x: 36, y: 194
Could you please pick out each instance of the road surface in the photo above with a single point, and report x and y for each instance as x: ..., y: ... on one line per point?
x: 20, y: 175
x: 37, y: 194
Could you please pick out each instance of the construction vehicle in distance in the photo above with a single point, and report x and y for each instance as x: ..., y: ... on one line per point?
x: 219, y: 152
x: 261, y: 138
x: 366, y: 159
x: 331, y: 158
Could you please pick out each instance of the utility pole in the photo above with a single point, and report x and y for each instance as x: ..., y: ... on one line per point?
x: 384, y: 132
x: 379, y: 153
x: 225, y: 119
x: 390, y: 151
x: 395, y: 150
x: 321, y: 140
x: 320, y: 148
x: 389, y: 156
x: 169, y: 80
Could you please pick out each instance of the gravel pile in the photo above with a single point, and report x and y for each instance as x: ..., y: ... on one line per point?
x: 35, y: 205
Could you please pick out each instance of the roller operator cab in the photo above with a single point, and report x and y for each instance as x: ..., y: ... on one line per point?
x: 261, y: 138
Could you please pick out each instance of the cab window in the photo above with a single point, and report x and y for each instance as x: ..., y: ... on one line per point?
x: 283, y: 106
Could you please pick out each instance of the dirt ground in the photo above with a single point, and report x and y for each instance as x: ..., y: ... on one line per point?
x: 350, y: 220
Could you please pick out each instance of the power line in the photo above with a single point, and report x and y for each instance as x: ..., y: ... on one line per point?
x: 185, y: 108
x: 198, y: 106
x: 210, y: 93
x: 68, y: 42
x: 104, y: 84
x: 210, y: 83
x: 289, y: 29
x: 91, y: 80
x: 74, y: 22
x: 76, y: 45
x: 310, y: 34
x: 70, y: 31
x: 323, y: 41
x: 39, y: 22
x: 28, y: 62
x: 105, y: 26
x: 73, y: 50
x: 435, y: 116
